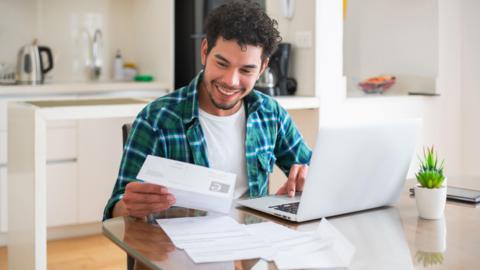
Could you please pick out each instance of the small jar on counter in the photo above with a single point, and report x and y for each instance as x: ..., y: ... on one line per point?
x: 129, y: 71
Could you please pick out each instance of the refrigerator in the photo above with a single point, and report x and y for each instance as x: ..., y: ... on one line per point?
x: 190, y: 17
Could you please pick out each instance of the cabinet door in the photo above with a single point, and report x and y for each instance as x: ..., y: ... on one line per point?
x: 61, y: 194
x: 61, y: 143
x: 3, y: 200
x: 99, y: 152
x: 3, y: 114
x: 3, y: 147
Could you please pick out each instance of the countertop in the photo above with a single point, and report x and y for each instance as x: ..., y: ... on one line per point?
x: 95, y: 88
x: 80, y: 87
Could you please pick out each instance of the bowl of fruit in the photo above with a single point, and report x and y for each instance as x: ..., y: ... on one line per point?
x: 378, y: 84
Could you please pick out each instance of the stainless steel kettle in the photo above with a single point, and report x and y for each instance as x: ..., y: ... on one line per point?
x: 266, y: 82
x: 30, y: 66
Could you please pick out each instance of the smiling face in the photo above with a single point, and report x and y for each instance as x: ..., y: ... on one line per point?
x: 230, y: 74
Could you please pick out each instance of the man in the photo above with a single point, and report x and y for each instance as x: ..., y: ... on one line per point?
x: 218, y: 120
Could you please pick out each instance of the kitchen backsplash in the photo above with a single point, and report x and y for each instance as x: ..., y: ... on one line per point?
x: 140, y: 29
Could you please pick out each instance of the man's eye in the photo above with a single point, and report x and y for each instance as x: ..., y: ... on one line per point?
x: 245, y: 71
x: 221, y: 64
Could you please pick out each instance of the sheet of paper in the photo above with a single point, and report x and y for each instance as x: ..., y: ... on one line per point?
x: 287, y: 242
x: 184, y: 231
x: 194, y: 186
x: 339, y: 254
x: 214, y: 239
x: 220, y: 238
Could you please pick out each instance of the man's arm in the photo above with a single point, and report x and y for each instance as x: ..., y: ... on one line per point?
x: 130, y: 196
x: 292, y: 153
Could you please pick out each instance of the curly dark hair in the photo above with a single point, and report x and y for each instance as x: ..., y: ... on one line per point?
x: 245, y: 22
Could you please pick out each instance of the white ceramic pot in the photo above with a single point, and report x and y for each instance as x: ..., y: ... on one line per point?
x: 431, y: 235
x: 430, y: 201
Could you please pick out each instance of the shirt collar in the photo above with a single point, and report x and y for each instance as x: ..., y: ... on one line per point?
x: 190, y: 113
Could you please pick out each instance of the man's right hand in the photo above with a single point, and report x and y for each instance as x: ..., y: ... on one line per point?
x: 141, y: 199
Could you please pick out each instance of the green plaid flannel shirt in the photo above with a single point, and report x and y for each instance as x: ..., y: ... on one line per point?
x: 169, y: 127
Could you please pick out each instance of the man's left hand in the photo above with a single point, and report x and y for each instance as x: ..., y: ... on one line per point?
x: 296, y: 180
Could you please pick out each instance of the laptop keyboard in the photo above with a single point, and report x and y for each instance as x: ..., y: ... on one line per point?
x: 287, y: 207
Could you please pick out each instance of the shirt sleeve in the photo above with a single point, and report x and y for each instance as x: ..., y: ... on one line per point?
x: 140, y: 143
x: 290, y: 147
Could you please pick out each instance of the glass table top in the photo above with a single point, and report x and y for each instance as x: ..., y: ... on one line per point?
x: 385, y: 238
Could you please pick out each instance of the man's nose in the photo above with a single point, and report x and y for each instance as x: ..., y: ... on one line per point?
x: 232, y: 78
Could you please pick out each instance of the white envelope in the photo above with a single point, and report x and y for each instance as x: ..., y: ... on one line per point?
x: 194, y: 186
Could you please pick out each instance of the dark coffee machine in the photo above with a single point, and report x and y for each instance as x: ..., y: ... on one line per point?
x: 279, y: 66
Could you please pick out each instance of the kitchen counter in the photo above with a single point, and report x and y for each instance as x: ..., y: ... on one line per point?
x: 86, y: 88
x: 92, y: 88
x: 106, y: 88
x: 27, y: 168
x: 298, y: 102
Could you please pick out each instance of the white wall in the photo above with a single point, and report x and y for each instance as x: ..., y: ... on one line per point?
x: 17, y: 20
x: 470, y: 78
x: 397, y: 37
x: 441, y: 115
x: 142, y: 30
x: 302, y: 62
x: 67, y: 26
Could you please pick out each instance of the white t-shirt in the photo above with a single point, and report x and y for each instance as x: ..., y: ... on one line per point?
x: 225, y: 136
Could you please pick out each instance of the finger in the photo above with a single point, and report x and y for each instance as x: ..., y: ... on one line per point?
x: 136, y: 202
x: 291, y: 182
x: 142, y: 187
x: 146, y: 198
x: 301, y: 177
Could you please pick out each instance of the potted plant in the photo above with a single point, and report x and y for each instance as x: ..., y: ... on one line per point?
x: 430, y: 193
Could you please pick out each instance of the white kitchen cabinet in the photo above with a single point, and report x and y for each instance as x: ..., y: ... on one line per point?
x: 99, y: 152
x: 27, y: 170
x: 61, y: 194
x: 74, y: 196
x: 61, y: 143
x: 3, y: 199
x: 61, y: 140
x: 3, y: 114
x: 61, y: 174
x: 3, y: 147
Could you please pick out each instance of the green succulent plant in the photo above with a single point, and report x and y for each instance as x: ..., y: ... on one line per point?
x: 430, y: 174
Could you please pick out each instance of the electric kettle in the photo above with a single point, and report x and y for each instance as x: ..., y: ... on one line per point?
x: 266, y: 83
x: 30, y: 66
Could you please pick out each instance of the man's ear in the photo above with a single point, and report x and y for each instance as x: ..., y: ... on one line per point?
x: 203, y: 51
x: 263, y: 67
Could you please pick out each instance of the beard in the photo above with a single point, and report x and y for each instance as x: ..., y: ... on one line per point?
x: 219, y: 105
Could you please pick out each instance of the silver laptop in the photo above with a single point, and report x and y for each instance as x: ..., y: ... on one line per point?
x: 353, y: 168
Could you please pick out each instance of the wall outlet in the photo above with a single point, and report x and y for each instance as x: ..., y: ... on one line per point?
x: 303, y: 39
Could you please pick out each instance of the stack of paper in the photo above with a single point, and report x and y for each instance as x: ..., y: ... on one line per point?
x: 216, y: 239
